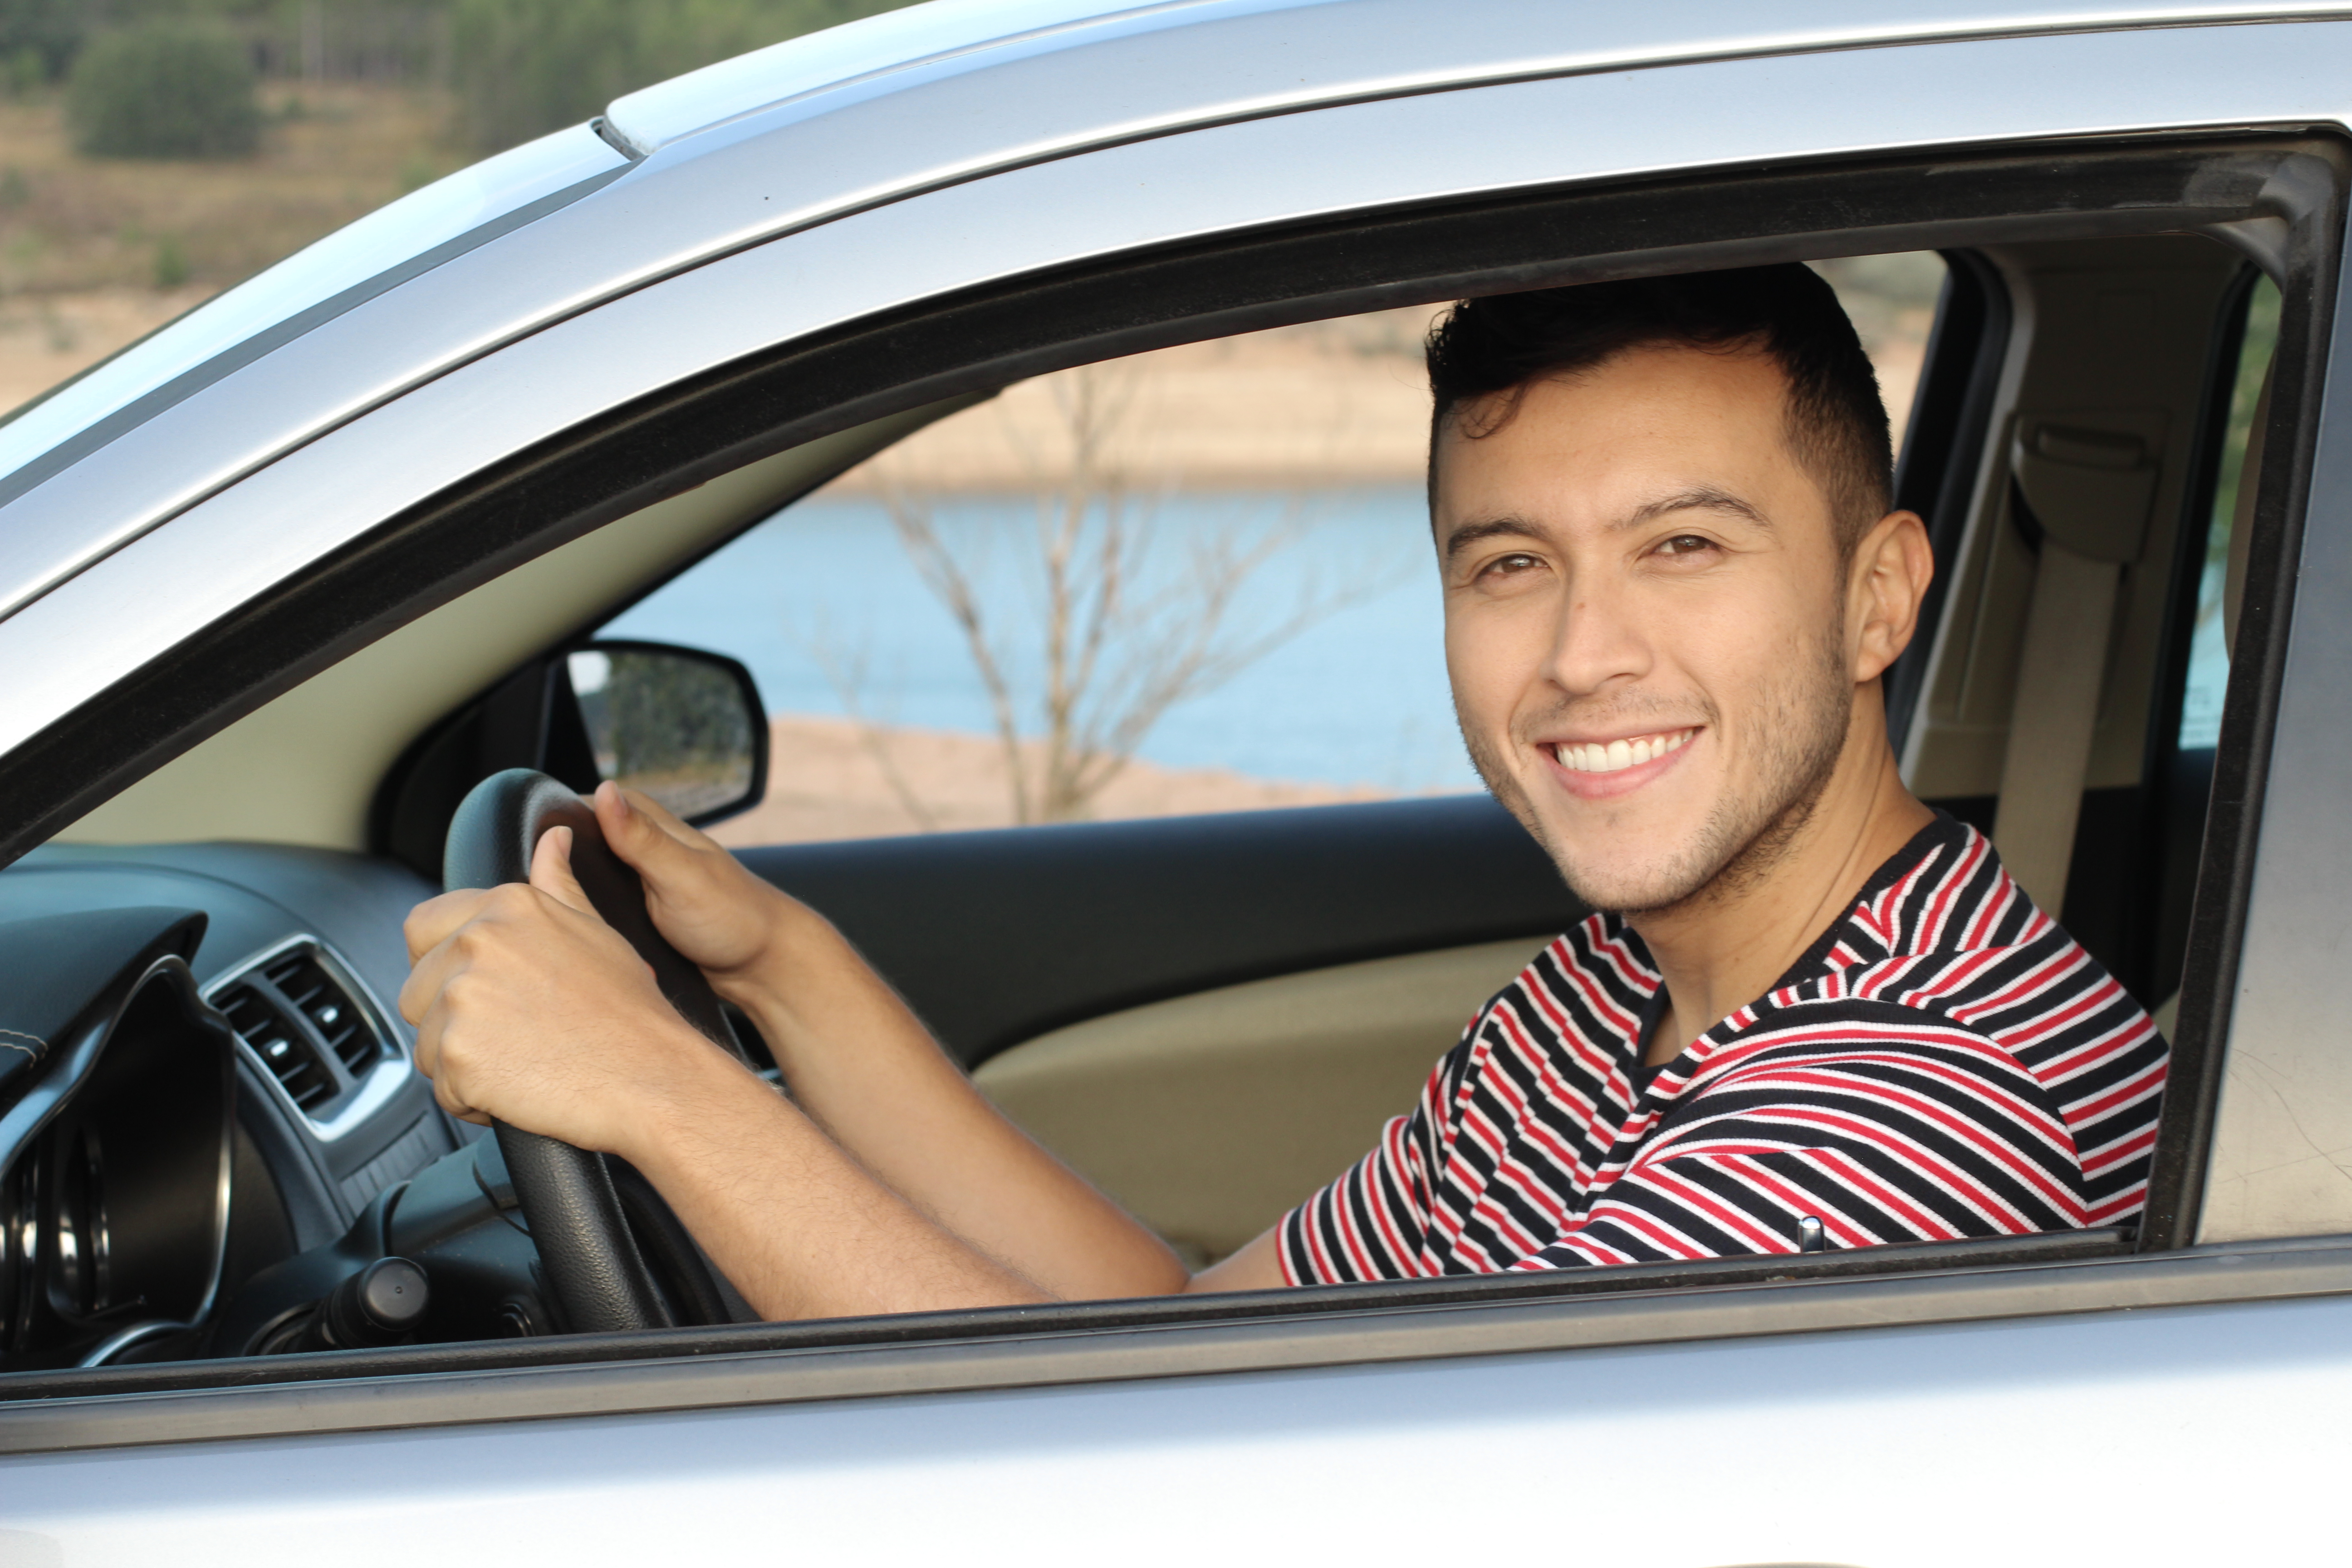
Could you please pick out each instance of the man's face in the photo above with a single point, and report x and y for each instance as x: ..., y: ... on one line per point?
x: 1644, y: 621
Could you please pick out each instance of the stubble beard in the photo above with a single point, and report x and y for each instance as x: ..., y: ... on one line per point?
x: 1748, y: 832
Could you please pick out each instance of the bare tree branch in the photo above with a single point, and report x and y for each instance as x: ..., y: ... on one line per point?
x: 847, y: 679
x: 1118, y: 635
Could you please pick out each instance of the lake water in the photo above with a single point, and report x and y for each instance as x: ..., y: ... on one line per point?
x: 1358, y: 696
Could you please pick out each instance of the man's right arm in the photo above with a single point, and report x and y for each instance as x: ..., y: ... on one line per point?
x: 864, y: 1068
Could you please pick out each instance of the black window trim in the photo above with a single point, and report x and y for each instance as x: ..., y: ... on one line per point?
x: 684, y: 435
x: 2310, y: 280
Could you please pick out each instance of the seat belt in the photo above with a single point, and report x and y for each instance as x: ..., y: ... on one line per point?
x: 2089, y: 489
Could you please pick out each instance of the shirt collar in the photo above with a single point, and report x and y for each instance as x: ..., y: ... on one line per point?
x: 1864, y: 934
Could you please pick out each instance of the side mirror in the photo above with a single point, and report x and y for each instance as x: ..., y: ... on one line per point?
x: 683, y: 726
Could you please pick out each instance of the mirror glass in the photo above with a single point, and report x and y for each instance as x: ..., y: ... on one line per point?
x: 667, y: 721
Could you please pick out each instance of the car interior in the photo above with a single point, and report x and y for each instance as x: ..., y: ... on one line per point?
x: 1209, y: 1015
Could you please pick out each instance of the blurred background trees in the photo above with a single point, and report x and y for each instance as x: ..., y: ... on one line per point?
x: 510, y: 69
x: 165, y: 88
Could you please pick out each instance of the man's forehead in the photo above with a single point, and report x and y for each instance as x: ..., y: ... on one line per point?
x: 1624, y: 436
x: 1739, y: 377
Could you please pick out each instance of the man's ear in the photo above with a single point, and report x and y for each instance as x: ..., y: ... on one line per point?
x: 1892, y: 568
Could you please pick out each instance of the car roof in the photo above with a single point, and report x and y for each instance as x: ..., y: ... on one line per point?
x: 943, y: 36
x: 1388, y: 46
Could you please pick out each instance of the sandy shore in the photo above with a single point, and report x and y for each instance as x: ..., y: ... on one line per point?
x: 1332, y: 403
x: 1335, y: 403
x: 826, y: 781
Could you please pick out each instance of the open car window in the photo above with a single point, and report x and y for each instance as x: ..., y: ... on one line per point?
x: 1196, y: 579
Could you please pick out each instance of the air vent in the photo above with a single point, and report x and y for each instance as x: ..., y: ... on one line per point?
x: 304, y: 1023
x: 302, y: 980
x: 281, y: 1046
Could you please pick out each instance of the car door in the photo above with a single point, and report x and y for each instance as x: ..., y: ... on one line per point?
x: 1859, y: 1408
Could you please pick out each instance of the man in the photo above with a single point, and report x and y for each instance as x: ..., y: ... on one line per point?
x: 1814, y: 1012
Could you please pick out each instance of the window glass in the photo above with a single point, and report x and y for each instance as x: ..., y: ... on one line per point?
x: 1193, y: 580
x: 2209, y: 648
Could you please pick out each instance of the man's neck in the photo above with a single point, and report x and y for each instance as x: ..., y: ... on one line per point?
x: 1722, y: 948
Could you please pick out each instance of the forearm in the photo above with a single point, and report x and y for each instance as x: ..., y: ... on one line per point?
x: 799, y: 1227
x: 865, y: 1068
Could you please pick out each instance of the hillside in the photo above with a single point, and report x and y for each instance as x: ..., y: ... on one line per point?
x: 95, y: 253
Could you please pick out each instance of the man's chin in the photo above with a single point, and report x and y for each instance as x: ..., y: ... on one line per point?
x: 1608, y: 875
x: 1629, y: 868
x: 1622, y: 889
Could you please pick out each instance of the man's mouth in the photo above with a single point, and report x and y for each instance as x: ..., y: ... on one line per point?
x: 1615, y: 756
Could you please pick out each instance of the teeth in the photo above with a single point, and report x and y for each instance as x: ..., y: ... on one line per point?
x: 1599, y: 757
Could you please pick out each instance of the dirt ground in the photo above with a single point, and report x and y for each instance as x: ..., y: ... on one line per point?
x: 330, y: 152
x: 824, y: 782
x: 1332, y: 403
x: 1343, y: 402
x: 46, y: 338
x: 96, y: 253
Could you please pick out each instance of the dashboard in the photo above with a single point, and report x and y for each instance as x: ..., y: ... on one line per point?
x: 206, y: 1080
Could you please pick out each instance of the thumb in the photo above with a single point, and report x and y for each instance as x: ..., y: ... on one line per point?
x: 626, y: 831
x: 635, y: 831
x: 551, y: 871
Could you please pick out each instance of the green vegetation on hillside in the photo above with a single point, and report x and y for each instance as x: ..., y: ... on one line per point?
x: 510, y: 69
x: 164, y: 88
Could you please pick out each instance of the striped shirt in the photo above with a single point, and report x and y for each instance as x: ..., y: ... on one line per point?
x: 1945, y: 1062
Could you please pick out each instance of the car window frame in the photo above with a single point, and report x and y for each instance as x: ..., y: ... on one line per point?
x: 990, y: 335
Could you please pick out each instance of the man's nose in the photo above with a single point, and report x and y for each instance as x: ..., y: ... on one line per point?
x: 1598, y: 643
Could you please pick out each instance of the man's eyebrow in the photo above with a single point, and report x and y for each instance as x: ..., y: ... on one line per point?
x: 1470, y: 533
x: 1704, y: 498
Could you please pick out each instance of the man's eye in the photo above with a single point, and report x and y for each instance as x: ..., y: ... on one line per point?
x: 1685, y: 544
x: 1507, y: 565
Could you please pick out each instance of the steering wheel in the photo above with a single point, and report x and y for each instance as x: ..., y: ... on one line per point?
x: 615, y: 1254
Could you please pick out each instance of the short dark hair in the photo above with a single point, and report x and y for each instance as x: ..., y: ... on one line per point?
x: 1837, y: 421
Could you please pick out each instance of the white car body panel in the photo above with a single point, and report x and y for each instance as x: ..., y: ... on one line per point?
x: 2047, y: 1441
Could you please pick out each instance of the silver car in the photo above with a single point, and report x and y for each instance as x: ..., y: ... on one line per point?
x: 281, y: 584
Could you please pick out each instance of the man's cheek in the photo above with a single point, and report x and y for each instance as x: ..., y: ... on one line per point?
x: 1492, y: 664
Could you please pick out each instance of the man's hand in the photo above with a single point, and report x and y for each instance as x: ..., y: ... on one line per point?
x: 729, y: 922
x: 531, y: 1009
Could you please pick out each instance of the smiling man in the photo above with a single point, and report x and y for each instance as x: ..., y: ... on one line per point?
x: 1812, y: 1012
